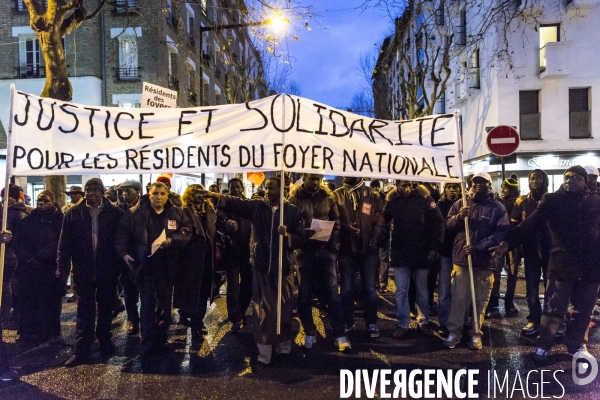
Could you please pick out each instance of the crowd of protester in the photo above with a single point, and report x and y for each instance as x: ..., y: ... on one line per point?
x: 120, y: 247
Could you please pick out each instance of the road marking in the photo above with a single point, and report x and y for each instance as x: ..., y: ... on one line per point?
x: 503, y: 140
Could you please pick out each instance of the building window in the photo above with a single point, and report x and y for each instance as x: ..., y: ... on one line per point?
x: 29, y: 58
x: 548, y: 34
x: 128, y: 57
x: 580, y: 115
x: 439, y: 14
x: 475, y: 72
x: 529, y: 118
x: 461, y: 29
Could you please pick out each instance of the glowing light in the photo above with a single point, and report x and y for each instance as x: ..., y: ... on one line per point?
x: 278, y: 22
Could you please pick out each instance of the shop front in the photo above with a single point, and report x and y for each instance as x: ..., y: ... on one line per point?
x: 554, y: 164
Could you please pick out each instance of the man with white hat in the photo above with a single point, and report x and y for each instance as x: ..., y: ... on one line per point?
x: 488, y: 226
x: 592, y: 182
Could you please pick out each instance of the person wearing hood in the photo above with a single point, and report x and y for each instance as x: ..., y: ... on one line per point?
x: 452, y: 192
x: 87, y: 239
x: 36, y: 246
x: 488, y: 226
x: 150, y: 236
x: 572, y: 214
x: 264, y: 215
x: 417, y: 236
x: 592, y: 183
x: 362, y: 227
x: 316, y: 259
x: 535, y: 249
x: 16, y: 212
x: 509, y: 193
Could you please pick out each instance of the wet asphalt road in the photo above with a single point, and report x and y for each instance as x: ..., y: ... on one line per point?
x: 219, y: 366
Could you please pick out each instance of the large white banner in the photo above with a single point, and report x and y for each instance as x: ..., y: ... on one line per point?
x: 51, y: 137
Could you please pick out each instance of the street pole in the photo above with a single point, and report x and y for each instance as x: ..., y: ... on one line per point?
x: 281, y: 221
x: 503, y: 168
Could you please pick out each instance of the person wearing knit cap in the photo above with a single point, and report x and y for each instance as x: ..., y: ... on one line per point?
x: 174, y: 197
x: 508, y: 195
x: 572, y: 215
x: 536, y: 249
x: 40, y: 292
x: 87, y: 240
x: 592, y: 182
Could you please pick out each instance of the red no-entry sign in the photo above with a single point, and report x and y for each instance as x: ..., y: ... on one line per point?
x: 503, y: 140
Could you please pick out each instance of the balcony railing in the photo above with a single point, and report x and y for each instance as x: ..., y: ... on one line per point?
x: 30, y: 71
x: 171, y: 20
x: 127, y: 73
x: 173, y: 83
x: 191, y: 41
x: 124, y: 7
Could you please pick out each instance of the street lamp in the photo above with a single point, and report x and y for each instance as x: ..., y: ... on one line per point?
x: 277, y: 22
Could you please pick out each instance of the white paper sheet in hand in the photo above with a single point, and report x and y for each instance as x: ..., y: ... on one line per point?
x: 322, y: 229
x: 156, y: 244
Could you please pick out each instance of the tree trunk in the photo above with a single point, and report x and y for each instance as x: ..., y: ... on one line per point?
x: 57, y: 87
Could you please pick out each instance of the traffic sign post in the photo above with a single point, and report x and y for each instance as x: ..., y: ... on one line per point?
x: 503, y: 141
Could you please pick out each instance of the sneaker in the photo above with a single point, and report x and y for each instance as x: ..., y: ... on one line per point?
x: 399, y: 333
x: 493, y: 313
x: 426, y: 330
x: 531, y: 329
x: 342, y: 343
x: 451, y: 341
x: 373, y: 331
x: 9, y: 375
x: 475, y: 343
x: 540, y: 355
x: 258, y: 366
x: 349, y: 328
x: 309, y: 341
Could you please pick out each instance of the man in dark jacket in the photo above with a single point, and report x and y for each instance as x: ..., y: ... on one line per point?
x: 488, y: 226
x: 36, y: 246
x: 452, y: 192
x: 236, y: 257
x: 87, y: 239
x: 131, y: 197
x: 16, y: 212
x: 150, y: 236
x: 508, y: 196
x: 536, y: 249
x: 362, y: 227
x: 417, y: 237
x: 573, y: 217
x: 316, y: 259
x: 264, y: 214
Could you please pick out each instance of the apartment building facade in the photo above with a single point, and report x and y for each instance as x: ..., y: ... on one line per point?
x: 543, y: 87
x: 135, y: 41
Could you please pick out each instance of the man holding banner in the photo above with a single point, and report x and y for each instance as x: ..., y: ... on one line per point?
x: 266, y: 229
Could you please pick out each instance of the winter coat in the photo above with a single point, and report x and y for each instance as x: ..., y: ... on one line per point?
x: 264, y: 252
x: 367, y: 214
x: 488, y: 226
x: 194, y: 257
x: 76, y: 244
x: 16, y: 213
x: 574, y: 224
x: 319, y: 205
x: 175, y: 199
x: 132, y: 235
x: 445, y: 205
x: 418, y: 228
x: 36, y: 243
x: 237, y: 244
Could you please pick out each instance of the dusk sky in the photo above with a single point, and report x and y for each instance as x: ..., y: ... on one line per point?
x: 326, y: 60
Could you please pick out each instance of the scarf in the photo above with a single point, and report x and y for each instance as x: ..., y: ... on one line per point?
x: 353, y: 193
